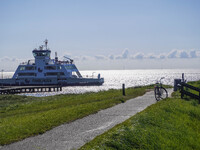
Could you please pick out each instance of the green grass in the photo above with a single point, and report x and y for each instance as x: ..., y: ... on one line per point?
x: 24, y: 116
x: 195, y: 83
x: 172, y: 123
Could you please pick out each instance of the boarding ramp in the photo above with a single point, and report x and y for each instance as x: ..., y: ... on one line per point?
x: 77, y: 72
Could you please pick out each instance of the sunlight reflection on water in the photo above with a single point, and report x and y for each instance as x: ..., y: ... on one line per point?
x: 114, y: 79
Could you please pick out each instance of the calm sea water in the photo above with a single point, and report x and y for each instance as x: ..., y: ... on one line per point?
x: 115, y: 78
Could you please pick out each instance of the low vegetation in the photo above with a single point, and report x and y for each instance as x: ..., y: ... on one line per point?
x: 172, y: 123
x: 195, y: 83
x: 24, y: 116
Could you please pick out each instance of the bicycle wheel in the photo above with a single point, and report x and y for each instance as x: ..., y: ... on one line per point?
x: 160, y: 93
x: 164, y: 93
x: 157, y: 93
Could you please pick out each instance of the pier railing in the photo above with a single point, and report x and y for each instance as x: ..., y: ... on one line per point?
x: 29, y: 89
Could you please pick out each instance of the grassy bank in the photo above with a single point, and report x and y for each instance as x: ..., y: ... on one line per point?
x: 169, y: 124
x: 22, y: 116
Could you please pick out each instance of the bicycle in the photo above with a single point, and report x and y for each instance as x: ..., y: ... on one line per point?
x: 159, y: 91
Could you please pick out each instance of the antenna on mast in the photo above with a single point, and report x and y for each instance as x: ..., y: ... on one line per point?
x: 46, y: 42
x: 56, y: 57
x: 55, y: 54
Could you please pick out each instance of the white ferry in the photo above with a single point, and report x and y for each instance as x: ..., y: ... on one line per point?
x: 46, y: 71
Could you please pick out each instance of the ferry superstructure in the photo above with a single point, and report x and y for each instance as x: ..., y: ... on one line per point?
x: 46, y: 71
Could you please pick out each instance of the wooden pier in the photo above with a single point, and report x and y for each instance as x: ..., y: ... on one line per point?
x: 29, y: 89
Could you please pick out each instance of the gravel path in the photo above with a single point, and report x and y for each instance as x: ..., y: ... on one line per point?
x: 75, y: 134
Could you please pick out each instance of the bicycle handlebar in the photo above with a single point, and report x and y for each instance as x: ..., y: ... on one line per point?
x: 161, y: 79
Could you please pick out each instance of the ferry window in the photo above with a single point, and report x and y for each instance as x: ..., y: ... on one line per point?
x: 44, y: 54
x: 73, y: 73
x: 30, y: 68
x: 50, y: 67
x: 34, y: 54
x: 26, y: 74
x: 41, y: 54
x: 22, y: 68
x: 55, y: 73
x: 59, y: 67
x: 62, y: 73
x: 70, y: 67
x: 51, y: 74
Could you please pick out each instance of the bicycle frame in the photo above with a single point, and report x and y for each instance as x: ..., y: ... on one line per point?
x: 159, y: 84
x: 159, y: 90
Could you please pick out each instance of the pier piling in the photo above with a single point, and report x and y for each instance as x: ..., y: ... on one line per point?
x: 123, y: 89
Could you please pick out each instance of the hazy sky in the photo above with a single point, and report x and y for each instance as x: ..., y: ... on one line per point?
x: 103, y: 34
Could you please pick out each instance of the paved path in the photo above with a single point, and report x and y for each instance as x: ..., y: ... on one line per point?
x: 75, y: 134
